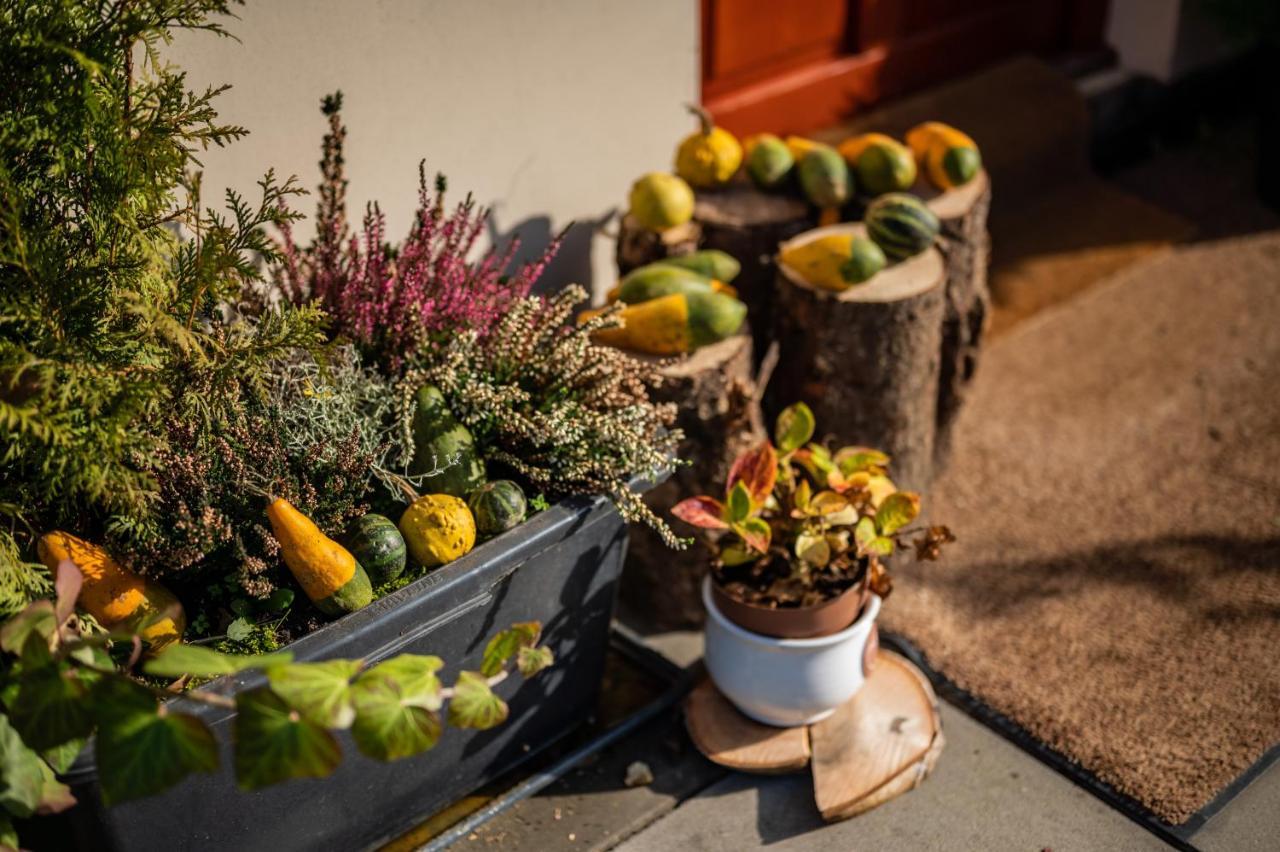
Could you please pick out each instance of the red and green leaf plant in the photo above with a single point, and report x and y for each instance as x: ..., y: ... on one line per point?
x: 799, y: 523
x: 61, y: 683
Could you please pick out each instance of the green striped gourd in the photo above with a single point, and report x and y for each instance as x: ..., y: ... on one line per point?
x: 498, y: 506
x: 377, y: 545
x: 901, y: 225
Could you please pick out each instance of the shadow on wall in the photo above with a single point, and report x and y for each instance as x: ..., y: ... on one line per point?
x: 571, y: 265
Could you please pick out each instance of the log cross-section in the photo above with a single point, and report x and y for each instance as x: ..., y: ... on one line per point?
x: 866, y: 359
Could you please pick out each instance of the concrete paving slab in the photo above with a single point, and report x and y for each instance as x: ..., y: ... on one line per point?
x: 592, y: 808
x: 984, y: 794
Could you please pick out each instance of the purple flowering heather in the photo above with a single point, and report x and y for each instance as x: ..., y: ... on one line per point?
x: 396, y: 302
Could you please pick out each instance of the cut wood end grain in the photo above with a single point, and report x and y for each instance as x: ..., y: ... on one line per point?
x: 902, y: 280
x: 953, y: 203
x: 730, y: 739
x: 879, y: 744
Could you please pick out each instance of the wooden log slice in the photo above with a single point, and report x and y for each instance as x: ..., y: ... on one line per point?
x: 728, y: 738
x: 749, y: 224
x: 718, y: 410
x: 638, y: 246
x: 877, y: 745
x: 965, y: 243
x: 866, y: 359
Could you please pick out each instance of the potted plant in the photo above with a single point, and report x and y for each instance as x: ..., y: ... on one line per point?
x: 799, y: 545
x: 207, y: 423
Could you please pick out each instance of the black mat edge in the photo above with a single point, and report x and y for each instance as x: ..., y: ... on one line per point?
x: 1178, y: 836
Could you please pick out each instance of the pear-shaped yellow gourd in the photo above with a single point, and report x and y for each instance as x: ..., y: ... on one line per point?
x: 113, y: 594
x: 710, y: 156
x: 835, y: 262
x: 660, y: 201
x: 948, y: 157
x: 326, y: 571
x: 438, y: 528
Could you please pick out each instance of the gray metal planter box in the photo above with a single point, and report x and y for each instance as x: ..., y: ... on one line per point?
x: 560, y: 568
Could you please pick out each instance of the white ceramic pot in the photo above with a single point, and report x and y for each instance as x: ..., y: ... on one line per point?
x: 786, y: 682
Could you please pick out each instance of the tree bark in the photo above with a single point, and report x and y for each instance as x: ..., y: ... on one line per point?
x: 866, y: 359
x: 719, y: 411
x: 965, y: 243
x: 638, y: 246
x: 749, y: 224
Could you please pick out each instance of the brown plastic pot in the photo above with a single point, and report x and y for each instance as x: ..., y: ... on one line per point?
x: 803, y: 622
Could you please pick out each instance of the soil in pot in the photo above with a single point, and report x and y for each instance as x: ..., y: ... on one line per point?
x: 764, y: 597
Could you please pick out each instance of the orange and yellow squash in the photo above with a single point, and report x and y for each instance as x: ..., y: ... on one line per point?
x: 113, y: 594
x: 326, y: 571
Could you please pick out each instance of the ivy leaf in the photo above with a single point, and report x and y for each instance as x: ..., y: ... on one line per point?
x: 881, y: 487
x: 67, y: 588
x: 739, y: 504
x: 756, y: 532
x: 37, y: 619
x: 143, y: 748
x: 396, y: 704
x: 55, y: 797
x: 240, y: 629
x: 474, y: 704
x: 506, y: 643
x: 704, y: 512
x: 828, y: 503
x: 413, y: 676
x: 757, y: 471
x: 52, y: 706
x: 869, y: 541
x: 321, y: 692
x: 531, y: 660
x: 198, y: 661
x: 8, y: 834
x: 274, y: 743
x: 897, y: 510
x: 794, y: 427
x: 60, y: 757
x: 21, y: 780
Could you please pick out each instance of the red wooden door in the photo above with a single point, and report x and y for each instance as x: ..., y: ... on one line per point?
x: 790, y: 66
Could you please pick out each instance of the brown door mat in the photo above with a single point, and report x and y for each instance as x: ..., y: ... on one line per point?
x: 1056, y: 229
x: 1116, y: 491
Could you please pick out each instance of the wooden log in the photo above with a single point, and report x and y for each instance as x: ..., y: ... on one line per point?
x: 638, y: 246
x: 879, y: 744
x: 965, y: 243
x: 749, y: 224
x: 866, y: 359
x: 718, y: 407
x: 730, y: 739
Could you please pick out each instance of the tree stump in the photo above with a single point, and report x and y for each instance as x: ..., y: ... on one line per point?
x: 749, y: 224
x: 965, y: 243
x: 866, y: 359
x: 719, y: 410
x: 638, y: 246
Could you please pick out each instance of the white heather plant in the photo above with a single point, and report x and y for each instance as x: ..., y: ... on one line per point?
x: 566, y: 414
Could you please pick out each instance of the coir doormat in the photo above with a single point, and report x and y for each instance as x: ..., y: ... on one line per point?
x: 1116, y: 490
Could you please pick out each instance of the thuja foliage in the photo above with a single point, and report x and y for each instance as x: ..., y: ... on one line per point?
x: 397, y: 302
x: 112, y: 270
x: 60, y: 686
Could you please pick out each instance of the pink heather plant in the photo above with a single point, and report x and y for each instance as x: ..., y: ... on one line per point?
x: 394, y: 303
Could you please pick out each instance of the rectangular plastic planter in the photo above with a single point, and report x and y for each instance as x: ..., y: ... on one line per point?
x: 560, y: 568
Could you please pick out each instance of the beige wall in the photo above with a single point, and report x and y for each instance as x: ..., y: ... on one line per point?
x: 545, y: 109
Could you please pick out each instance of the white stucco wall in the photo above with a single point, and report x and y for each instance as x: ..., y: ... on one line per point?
x: 545, y: 109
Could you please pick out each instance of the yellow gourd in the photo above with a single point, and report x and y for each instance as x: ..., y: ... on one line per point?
x: 835, y: 262
x: 948, y: 157
x: 438, y: 528
x: 657, y: 327
x: 709, y: 157
x: 113, y: 594
x: 326, y: 571
x: 660, y: 201
x: 799, y: 146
